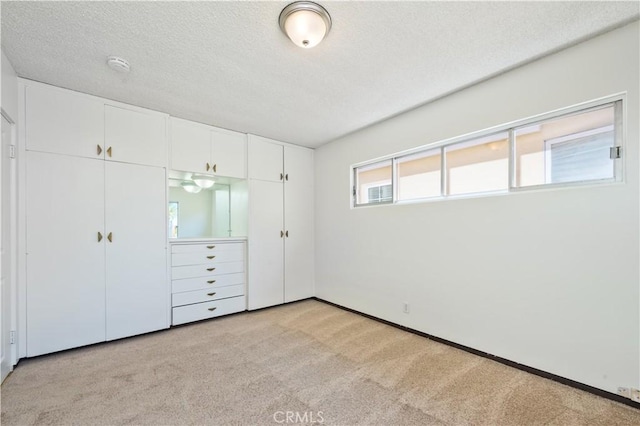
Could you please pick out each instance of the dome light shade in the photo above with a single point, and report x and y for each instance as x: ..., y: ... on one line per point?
x: 305, y: 23
x: 203, y: 181
x: 191, y: 187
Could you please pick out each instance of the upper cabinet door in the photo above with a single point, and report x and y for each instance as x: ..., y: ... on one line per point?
x: 265, y: 159
x: 190, y: 146
x: 229, y: 153
x: 64, y: 122
x: 135, y: 136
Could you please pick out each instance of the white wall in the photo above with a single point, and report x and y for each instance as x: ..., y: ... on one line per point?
x: 549, y: 279
x: 9, y: 89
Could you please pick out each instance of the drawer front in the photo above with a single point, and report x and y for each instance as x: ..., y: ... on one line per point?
x: 206, y: 283
x: 194, y: 271
x: 207, y: 295
x: 206, y: 258
x: 200, y: 311
x: 212, y: 248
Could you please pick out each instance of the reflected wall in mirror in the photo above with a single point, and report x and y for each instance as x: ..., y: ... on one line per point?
x: 204, y: 214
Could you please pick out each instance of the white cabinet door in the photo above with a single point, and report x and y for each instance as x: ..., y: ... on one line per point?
x: 64, y: 122
x: 137, y: 288
x: 229, y: 153
x: 266, y: 254
x: 65, y: 259
x: 265, y: 159
x: 135, y: 136
x: 190, y: 146
x: 298, y: 213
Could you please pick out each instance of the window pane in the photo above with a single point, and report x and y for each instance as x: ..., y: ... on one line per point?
x: 373, y: 183
x: 419, y: 175
x: 568, y: 149
x: 479, y: 165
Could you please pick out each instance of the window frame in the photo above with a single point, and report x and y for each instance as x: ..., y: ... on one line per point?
x: 618, y: 101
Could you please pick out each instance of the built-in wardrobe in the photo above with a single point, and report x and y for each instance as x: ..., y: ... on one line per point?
x: 103, y: 252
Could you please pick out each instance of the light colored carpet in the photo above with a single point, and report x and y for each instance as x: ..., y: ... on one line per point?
x: 308, y: 358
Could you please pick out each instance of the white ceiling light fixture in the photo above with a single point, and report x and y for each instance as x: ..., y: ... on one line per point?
x: 119, y: 64
x: 305, y: 23
x: 190, y: 187
x: 203, y: 181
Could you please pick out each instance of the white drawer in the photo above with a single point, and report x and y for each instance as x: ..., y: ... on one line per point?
x: 204, y: 283
x: 180, y: 272
x: 200, y: 311
x: 204, y: 258
x: 206, y: 295
x: 206, y: 247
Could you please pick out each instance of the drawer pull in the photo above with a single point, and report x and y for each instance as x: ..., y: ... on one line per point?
x: 210, y: 257
x: 211, y: 269
x: 211, y: 294
x: 212, y: 309
x: 210, y: 247
x: 211, y: 281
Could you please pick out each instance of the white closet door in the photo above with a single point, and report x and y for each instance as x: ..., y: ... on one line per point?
x: 137, y: 137
x: 229, y: 153
x: 266, y: 257
x: 137, y: 291
x: 265, y: 159
x: 298, y: 219
x: 190, y: 146
x: 64, y: 122
x: 65, y: 260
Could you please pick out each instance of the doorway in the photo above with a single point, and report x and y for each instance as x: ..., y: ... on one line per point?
x: 6, y: 186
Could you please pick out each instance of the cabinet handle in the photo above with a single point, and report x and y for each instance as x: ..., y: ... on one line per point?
x: 281, y: 176
x: 99, y: 236
x: 110, y: 237
x: 109, y: 151
x: 208, y: 167
x: 281, y: 234
x: 286, y: 177
x: 212, y: 309
x: 211, y: 269
x: 210, y: 247
x: 99, y: 150
x: 215, y: 168
x: 210, y: 257
x: 286, y: 234
x: 211, y: 294
x: 211, y: 281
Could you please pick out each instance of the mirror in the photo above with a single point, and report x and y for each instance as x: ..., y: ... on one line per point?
x: 202, y: 215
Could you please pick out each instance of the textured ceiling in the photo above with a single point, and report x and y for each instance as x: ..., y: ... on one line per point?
x: 227, y: 63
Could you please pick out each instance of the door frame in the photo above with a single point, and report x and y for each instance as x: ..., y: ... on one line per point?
x: 13, y: 237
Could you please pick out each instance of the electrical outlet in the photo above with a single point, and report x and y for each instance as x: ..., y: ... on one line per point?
x: 12, y: 337
x: 635, y: 395
x: 405, y: 307
x: 626, y: 392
